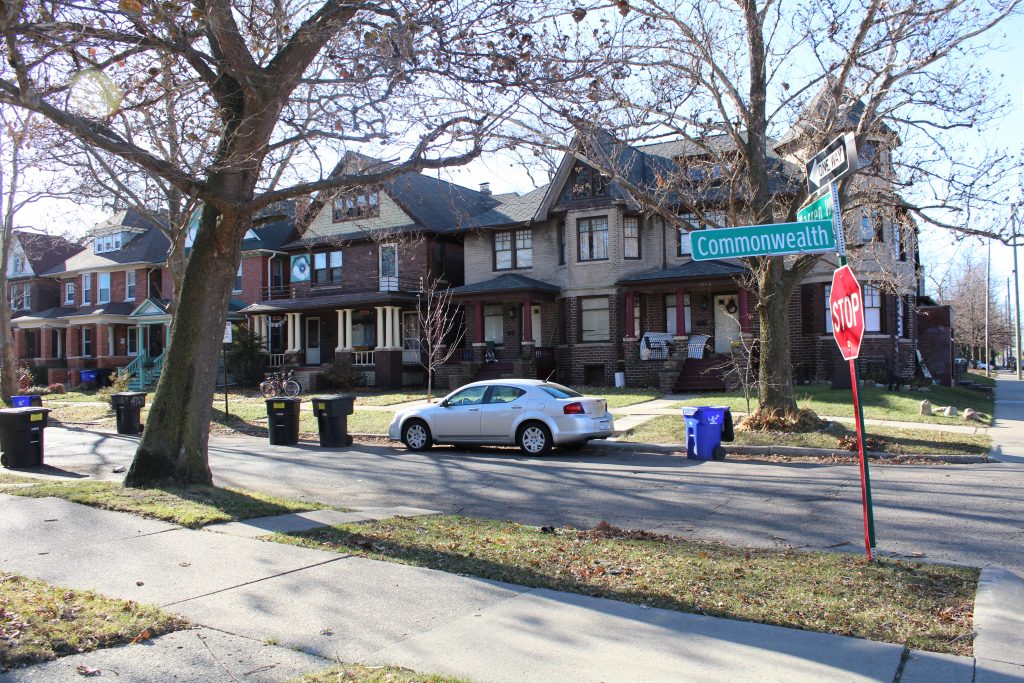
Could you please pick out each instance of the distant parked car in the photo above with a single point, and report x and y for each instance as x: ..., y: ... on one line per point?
x: 533, y: 414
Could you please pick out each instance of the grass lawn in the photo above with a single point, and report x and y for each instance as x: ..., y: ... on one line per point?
x: 619, y: 397
x: 879, y: 403
x: 192, y: 507
x: 668, y: 429
x: 390, y: 398
x: 39, y: 622
x: 357, y: 673
x: 924, y: 606
x: 979, y: 378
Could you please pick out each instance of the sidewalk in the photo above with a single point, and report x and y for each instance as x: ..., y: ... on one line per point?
x: 270, y: 611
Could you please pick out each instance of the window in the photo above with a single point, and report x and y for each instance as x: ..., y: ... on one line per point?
x: 828, y: 309
x: 69, y: 293
x: 670, y: 314
x: 879, y: 224
x: 504, y: 394
x: 26, y: 297
x: 352, y: 206
x: 105, y: 243
x: 14, y: 297
x: 493, y: 324
x: 558, y: 391
x: 586, y: 182
x: 866, y: 152
x: 513, y: 249
x: 562, y: 253
x: 129, y: 285
x: 897, y: 241
x: 470, y: 396
x: 593, y: 237
x: 276, y: 274
x: 20, y: 265
x: 631, y: 237
x: 238, y: 280
x: 594, y: 321
x: 388, y: 267
x: 327, y: 267
x: 636, y: 317
x: 866, y: 231
x: 872, y: 309
x: 690, y: 222
x: 86, y: 289
x: 86, y: 341
x: 133, y: 341
x: 103, y: 285
x: 899, y: 317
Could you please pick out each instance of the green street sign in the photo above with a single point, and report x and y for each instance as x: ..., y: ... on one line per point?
x: 774, y: 239
x: 818, y: 210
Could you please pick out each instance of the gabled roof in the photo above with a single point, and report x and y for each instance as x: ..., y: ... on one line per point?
x: 45, y: 251
x: 847, y: 113
x: 688, y: 270
x: 148, y: 247
x: 509, y: 282
x: 273, y: 226
x: 435, y: 204
x: 513, y: 210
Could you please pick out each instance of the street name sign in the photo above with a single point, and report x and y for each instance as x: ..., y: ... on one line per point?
x: 847, y: 308
x: 773, y: 239
x: 838, y: 159
x: 821, y: 209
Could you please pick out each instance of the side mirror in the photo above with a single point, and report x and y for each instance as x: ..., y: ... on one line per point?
x: 443, y: 404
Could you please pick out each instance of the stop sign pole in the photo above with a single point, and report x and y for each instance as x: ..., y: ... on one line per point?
x: 846, y: 306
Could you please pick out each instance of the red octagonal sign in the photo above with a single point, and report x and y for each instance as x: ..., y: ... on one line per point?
x: 847, y: 306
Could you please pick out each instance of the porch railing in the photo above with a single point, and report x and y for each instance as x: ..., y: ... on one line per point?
x: 347, y: 286
x: 137, y: 370
x: 363, y: 358
x: 460, y: 356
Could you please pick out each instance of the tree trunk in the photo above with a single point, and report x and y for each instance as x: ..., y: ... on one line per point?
x: 174, y: 445
x: 775, y: 372
x: 9, y: 360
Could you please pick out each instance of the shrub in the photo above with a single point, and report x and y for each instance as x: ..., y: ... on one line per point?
x: 55, y: 388
x: 35, y: 391
x: 339, y: 375
x: 24, y: 378
x: 118, y: 382
x: 39, y: 375
x: 247, y: 362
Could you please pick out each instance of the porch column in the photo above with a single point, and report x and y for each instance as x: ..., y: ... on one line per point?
x: 290, y: 326
x: 681, y: 313
x: 341, y: 330
x: 348, y: 329
x: 528, y: 321
x: 630, y: 319
x: 399, y: 342
x: 389, y: 327
x: 744, y: 311
x: 293, y: 333
x: 45, y: 334
x: 101, y: 344
x: 61, y: 334
x: 479, y: 315
x: 380, y: 328
x: 139, y: 348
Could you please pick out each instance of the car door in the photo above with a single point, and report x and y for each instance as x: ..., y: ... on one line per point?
x: 458, y: 419
x: 504, y: 406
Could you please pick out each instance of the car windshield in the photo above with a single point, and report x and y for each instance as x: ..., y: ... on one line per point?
x: 558, y: 391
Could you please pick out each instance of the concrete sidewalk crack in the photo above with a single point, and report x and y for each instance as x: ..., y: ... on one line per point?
x: 260, y: 580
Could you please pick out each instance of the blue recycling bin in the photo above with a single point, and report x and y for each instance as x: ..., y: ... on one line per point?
x: 87, y: 376
x: 706, y: 428
x: 31, y: 401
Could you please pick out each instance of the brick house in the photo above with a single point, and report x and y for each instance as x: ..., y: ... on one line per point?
x: 110, y: 305
x: 31, y: 291
x: 352, y: 279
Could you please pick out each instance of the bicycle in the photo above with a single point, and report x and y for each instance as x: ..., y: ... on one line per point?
x: 280, y: 384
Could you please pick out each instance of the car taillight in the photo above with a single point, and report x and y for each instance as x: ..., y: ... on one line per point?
x: 573, y: 408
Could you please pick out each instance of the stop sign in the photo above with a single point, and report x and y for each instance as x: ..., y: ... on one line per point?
x: 847, y: 307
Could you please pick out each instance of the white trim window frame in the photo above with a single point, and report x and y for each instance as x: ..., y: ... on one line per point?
x: 86, y: 289
x: 129, y: 285
x: 69, y: 293
x: 595, y: 319
x: 103, y: 288
x: 872, y: 309
x: 631, y: 238
x: 237, y: 287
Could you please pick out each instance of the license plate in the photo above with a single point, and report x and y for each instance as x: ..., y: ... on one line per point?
x: 603, y: 424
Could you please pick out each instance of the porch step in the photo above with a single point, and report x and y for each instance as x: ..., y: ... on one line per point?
x: 702, y: 375
x: 493, y: 371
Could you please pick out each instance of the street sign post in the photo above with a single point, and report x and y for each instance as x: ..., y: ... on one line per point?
x: 773, y: 239
x: 846, y: 305
x: 838, y: 159
x: 224, y: 359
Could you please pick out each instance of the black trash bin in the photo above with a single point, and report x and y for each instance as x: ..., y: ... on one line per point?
x: 21, y: 436
x: 332, y: 418
x: 283, y: 420
x: 128, y: 407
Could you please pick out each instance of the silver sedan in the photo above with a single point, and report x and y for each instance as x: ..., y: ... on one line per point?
x: 530, y: 413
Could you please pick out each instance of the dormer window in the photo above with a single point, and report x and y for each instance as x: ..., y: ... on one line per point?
x: 106, y: 243
x: 20, y: 264
x: 587, y: 182
x: 352, y: 206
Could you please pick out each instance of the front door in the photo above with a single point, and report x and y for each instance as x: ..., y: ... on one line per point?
x: 155, y: 340
x: 727, y: 322
x: 459, y: 418
x: 312, y: 341
x: 538, y: 333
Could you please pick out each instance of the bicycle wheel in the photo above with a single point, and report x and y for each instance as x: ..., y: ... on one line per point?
x: 267, y: 389
x: 292, y: 388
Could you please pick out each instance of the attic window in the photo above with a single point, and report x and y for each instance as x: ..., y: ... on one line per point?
x: 103, y: 244
x: 350, y: 207
x: 587, y: 182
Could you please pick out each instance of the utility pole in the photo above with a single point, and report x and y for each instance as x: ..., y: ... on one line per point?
x: 988, y: 298
x: 1016, y: 287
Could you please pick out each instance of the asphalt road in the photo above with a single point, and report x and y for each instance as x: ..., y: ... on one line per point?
x: 965, y: 514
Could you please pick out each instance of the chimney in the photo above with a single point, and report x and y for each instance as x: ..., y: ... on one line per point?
x: 485, y: 188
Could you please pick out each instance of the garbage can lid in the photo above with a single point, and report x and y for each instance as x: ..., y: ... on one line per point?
x: 691, y: 411
x: 129, y: 393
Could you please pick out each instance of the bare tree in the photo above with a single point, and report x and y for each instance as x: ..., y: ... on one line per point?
x: 746, y: 91
x: 22, y: 160
x: 441, y: 330
x: 424, y: 81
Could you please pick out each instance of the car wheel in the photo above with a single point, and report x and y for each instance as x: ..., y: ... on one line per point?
x: 416, y: 435
x: 534, y: 438
x: 574, y: 446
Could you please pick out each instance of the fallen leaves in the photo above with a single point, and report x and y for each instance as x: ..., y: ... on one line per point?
x: 85, y: 670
